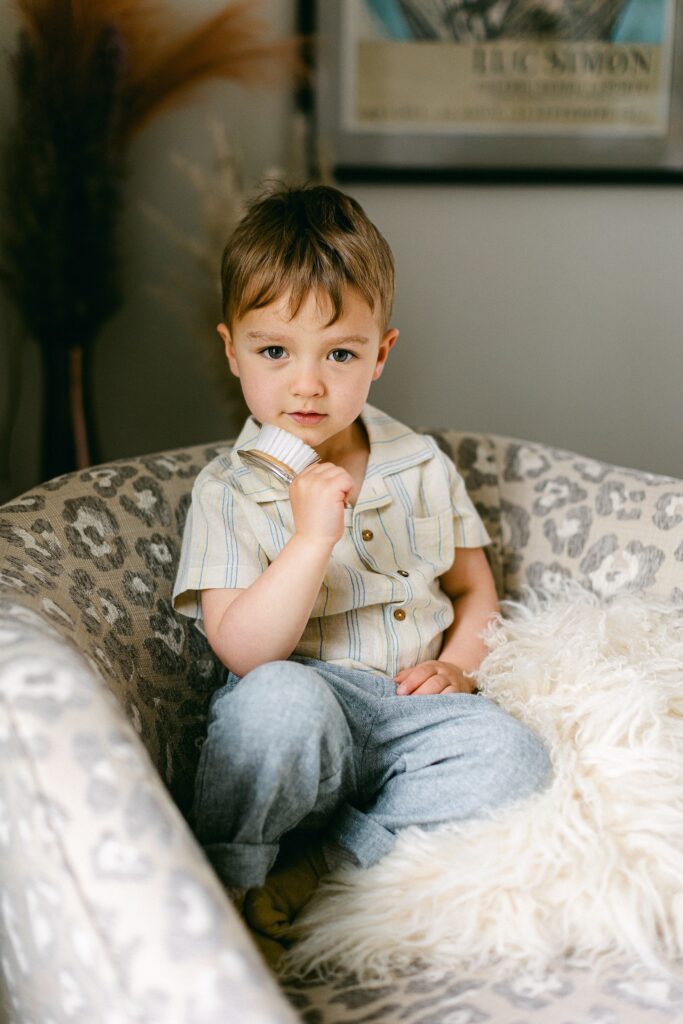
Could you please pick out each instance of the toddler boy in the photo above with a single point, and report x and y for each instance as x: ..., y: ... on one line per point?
x: 347, y: 607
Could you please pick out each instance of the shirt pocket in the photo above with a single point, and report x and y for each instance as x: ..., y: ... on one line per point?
x: 431, y: 539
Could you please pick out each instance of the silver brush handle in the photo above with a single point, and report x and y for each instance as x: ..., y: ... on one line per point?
x: 278, y: 469
x: 272, y: 465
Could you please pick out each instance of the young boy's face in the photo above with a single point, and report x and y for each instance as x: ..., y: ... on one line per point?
x: 288, y: 367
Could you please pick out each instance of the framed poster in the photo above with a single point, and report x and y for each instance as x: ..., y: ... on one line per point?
x: 500, y: 89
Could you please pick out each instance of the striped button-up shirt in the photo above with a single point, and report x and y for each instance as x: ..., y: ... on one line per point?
x: 380, y: 605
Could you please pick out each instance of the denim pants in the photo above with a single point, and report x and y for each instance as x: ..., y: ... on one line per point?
x: 303, y: 744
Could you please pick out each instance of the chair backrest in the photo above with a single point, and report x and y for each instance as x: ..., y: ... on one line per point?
x: 554, y: 515
x: 95, y: 554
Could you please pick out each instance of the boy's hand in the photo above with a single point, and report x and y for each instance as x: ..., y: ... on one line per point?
x: 318, y: 496
x: 433, y: 677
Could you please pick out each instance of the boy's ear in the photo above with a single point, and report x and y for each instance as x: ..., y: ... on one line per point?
x: 229, y: 348
x: 385, y: 346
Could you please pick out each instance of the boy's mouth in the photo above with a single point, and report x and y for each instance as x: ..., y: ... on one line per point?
x: 309, y: 418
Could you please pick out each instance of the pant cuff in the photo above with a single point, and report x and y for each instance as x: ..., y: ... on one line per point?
x: 356, y: 831
x: 242, y: 865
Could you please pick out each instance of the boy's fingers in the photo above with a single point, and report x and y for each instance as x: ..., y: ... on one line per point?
x: 406, y: 685
x: 424, y: 670
x: 432, y: 685
x: 417, y: 677
x: 409, y: 680
x: 418, y: 674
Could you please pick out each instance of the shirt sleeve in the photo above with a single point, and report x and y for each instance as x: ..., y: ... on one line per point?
x: 469, y: 530
x: 219, y: 549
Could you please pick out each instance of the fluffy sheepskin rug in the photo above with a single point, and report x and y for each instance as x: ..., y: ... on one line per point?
x: 592, y: 866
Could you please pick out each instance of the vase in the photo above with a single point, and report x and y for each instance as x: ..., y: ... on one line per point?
x: 68, y: 430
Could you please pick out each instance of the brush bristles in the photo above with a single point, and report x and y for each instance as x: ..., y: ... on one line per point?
x: 285, y: 447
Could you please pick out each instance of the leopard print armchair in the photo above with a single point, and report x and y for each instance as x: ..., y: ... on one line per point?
x: 109, y: 911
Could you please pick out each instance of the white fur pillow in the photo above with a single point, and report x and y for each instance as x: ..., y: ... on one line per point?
x: 590, y: 867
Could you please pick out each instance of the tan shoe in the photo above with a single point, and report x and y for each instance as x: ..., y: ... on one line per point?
x: 271, y: 908
x: 271, y: 950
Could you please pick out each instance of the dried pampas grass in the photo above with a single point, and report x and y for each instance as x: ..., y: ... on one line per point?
x: 89, y: 76
x: 165, y: 56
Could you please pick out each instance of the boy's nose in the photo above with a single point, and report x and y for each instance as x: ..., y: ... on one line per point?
x: 307, y: 382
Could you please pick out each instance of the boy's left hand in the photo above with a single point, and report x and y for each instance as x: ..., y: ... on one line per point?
x: 433, y: 677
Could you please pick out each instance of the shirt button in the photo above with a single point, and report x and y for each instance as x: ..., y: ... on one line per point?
x: 367, y: 535
x: 402, y: 572
x: 399, y: 614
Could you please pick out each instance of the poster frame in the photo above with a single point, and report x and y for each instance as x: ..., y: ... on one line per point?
x: 459, y: 154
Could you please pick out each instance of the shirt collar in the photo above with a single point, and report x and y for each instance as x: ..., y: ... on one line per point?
x: 393, y: 448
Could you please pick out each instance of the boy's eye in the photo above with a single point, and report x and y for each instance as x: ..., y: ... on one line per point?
x: 343, y: 352
x: 273, y: 351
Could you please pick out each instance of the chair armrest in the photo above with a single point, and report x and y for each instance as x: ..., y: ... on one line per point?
x: 110, y: 910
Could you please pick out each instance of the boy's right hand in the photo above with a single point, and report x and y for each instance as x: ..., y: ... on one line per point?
x: 318, y: 496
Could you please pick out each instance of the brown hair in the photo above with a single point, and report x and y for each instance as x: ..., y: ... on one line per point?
x: 313, y: 238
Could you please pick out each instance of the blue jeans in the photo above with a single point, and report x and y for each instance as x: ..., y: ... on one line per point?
x: 305, y: 745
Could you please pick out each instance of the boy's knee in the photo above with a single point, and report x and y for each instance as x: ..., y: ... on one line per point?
x: 284, y: 687
x: 528, y: 760
x: 279, y: 698
x: 516, y: 762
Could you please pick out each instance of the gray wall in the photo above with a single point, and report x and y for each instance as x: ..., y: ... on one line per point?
x: 549, y: 314
x: 553, y: 314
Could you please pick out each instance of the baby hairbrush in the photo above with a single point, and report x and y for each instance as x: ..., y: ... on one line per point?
x: 284, y: 454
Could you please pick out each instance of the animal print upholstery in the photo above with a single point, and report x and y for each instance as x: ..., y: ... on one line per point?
x: 108, y: 909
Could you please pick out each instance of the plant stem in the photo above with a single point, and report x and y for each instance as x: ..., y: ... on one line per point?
x: 77, y: 408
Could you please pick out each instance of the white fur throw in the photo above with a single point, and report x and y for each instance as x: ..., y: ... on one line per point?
x: 592, y: 866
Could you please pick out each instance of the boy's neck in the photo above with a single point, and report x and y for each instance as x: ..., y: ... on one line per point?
x: 353, y: 441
